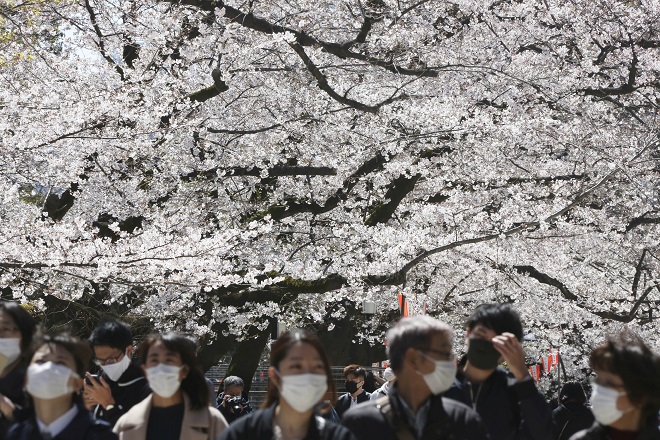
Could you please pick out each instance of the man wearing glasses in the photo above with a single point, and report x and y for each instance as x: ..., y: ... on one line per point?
x: 122, y: 383
x: 420, y: 352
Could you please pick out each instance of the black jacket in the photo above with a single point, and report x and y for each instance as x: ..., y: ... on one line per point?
x: 569, y: 418
x: 83, y: 427
x: 447, y: 420
x: 259, y: 426
x: 131, y: 388
x: 344, y: 402
x: 11, y: 386
x: 599, y: 432
x: 510, y: 410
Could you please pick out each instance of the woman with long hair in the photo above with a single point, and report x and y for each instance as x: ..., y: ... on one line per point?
x: 299, y: 377
x: 53, y: 382
x: 16, y: 331
x: 626, y: 392
x: 179, y: 407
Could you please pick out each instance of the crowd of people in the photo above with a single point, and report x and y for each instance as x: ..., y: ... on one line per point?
x: 160, y: 391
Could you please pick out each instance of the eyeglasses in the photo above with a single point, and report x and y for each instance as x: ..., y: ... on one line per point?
x: 108, y: 361
x: 444, y: 355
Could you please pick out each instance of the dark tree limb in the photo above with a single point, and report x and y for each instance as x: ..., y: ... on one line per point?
x: 341, y: 50
x: 638, y: 273
x: 275, y: 171
x: 246, y: 356
x: 546, y: 279
x: 642, y: 220
x: 293, y: 207
x: 100, y: 43
x: 623, y: 89
x: 398, y: 189
x: 322, y: 82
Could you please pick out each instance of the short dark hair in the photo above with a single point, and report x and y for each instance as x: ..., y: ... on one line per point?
x: 280, y: 349
x: 115, y: 334
x: 355, y: 370
x: 414, y: 332
x: 499, y: 317
x: 627, y: 356
x: 194, y: 384
x: 24, y: 321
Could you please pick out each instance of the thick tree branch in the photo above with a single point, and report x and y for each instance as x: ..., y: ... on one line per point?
x: 293, y: 207
x: 322, y: 82
x: 546, y: 279
x: 624, y: 89
x: 341, y: 50
x: 397, y: 191
x: 275, y: 171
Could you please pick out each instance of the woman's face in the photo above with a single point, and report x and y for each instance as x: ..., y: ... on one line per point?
x: 302, y: 358
x: 8, y: 327
x: 159, y: 354
x: 614, y: 381
x: 59, y: 355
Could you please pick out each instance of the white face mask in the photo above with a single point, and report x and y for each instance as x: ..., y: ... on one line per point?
x: 303, y: 391
x: 114, y: 371
x: 603, y: 404
x: 10, y: 350
x: 164, y: 379
x: 49, y: 381
x: 440, y: 379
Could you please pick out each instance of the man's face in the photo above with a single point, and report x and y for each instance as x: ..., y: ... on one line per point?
x: 234, y: 391
x: 359, y: 380
x: 480, y: 331
x: 106, y: 355
x: 440, y: 349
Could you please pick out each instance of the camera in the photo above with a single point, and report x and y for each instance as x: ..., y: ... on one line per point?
x: 234, y: 403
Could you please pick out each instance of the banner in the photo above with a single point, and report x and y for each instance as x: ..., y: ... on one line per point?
x: 535, y: 372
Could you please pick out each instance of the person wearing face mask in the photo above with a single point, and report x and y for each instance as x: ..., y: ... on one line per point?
x: 16, y: 331
x: 572, y: 414
x: 625, y: 398
x: 299, y: 378
x: 55, y: 409
x: 420, y: 353
x: 179, y: 407
x: 355, y: 394
x: 508, y: 402
x: 384, y: 389
x: 121, y: 384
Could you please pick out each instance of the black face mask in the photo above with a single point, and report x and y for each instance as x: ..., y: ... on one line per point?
x: 482, y: 355
x: 351, y: 386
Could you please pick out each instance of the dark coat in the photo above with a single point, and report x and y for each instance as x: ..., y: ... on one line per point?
x: 447, y: 420
x: 569, y: 418
x: 259, y: 426
x: 599, y: 432
x: 510, y: 410
x: 131, y: 389
x: 11, y: 386
x: 226, y: 411
x: 344, y: 402
x: 83, y: 427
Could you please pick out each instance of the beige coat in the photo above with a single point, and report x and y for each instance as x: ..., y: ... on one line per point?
x: 202, y: 424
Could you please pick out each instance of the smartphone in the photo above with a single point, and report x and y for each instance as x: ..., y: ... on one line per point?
x: 95, y: 376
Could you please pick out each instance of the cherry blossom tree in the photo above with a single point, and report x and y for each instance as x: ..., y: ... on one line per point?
x: 207, y: 166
